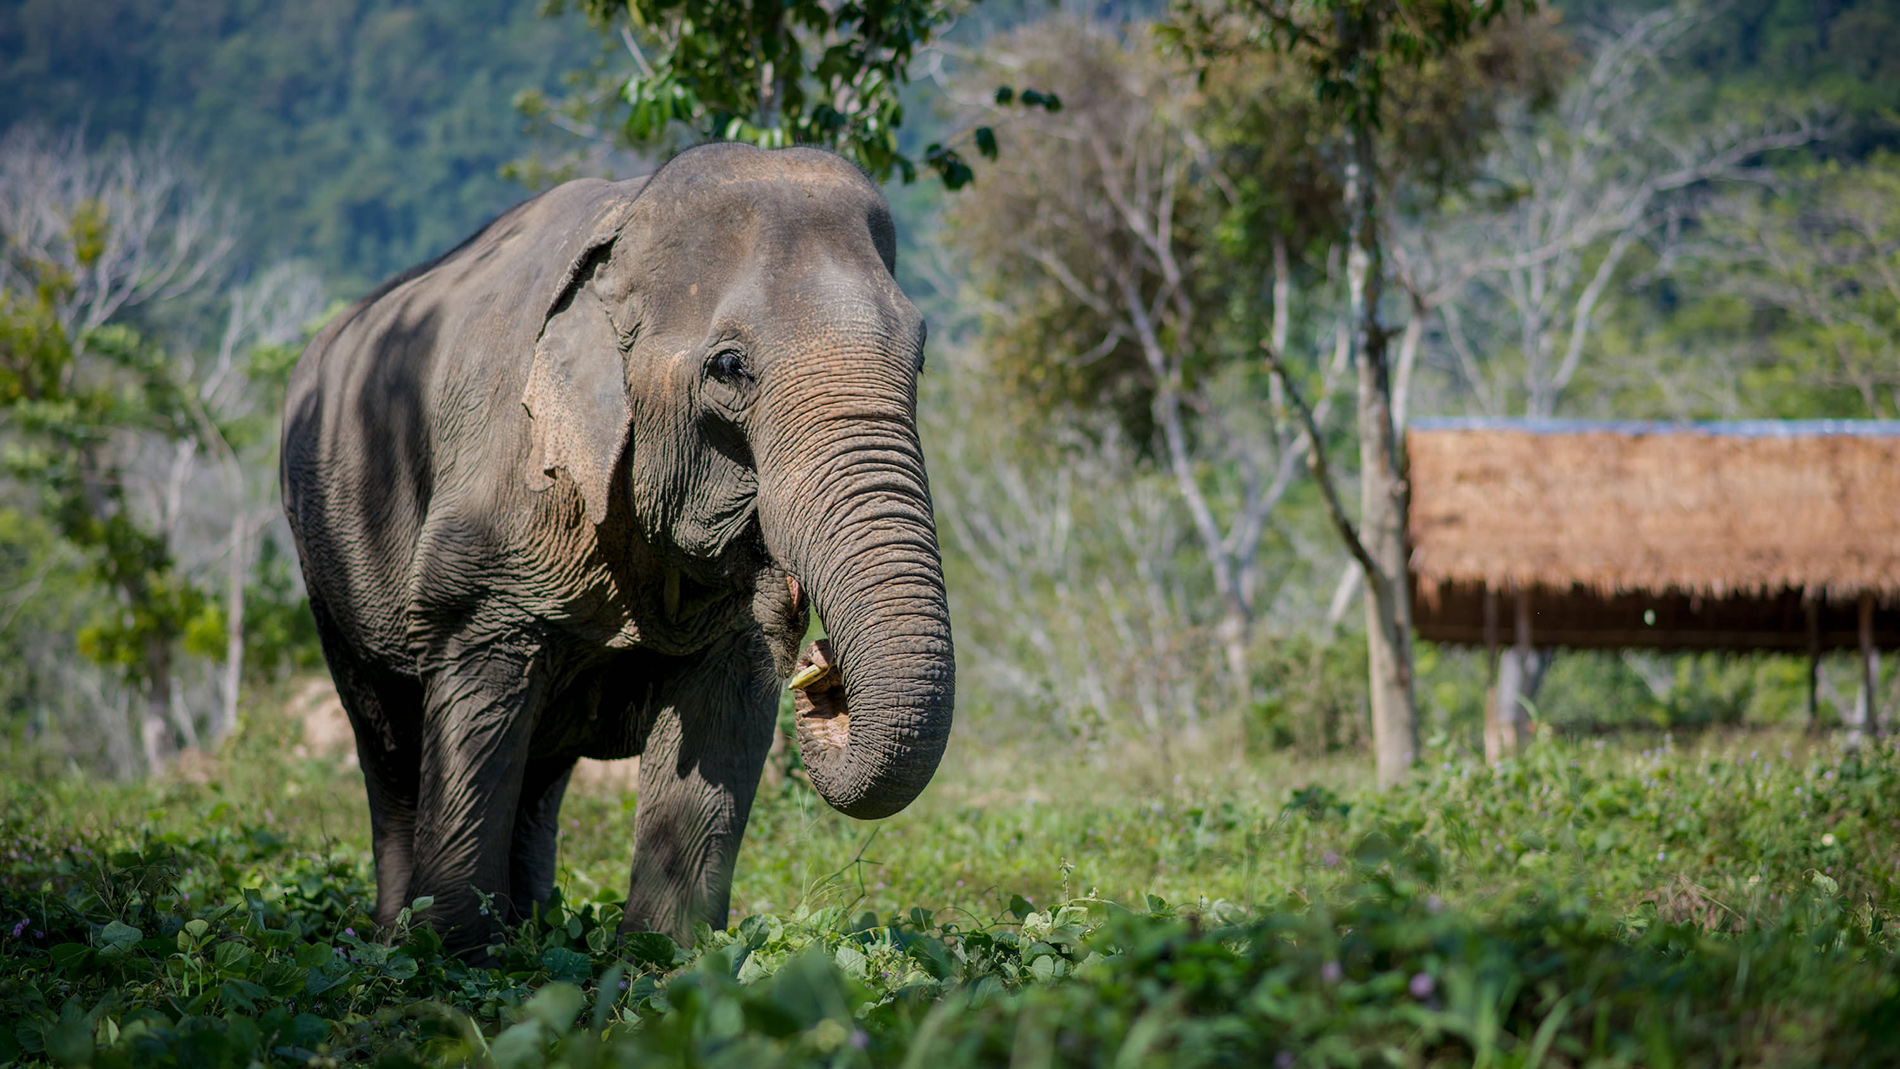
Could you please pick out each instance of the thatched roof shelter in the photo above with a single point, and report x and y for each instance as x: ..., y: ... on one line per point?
x: 1751, y: 535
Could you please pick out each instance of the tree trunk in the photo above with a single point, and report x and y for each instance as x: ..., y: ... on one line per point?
x: 1866, y: 721
x: 155, y: 730
x: 1234, y: 628
x: 226, y: 720
x: 1384, y: 496
x: 1812, y: 610
x: 1504, y: 719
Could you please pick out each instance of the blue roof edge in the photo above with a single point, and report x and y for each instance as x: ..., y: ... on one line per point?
x: 1743, y: 428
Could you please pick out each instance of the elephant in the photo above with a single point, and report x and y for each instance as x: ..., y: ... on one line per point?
x: 572, y: 489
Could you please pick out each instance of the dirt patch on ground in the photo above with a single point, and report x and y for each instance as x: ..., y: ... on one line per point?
x: 326, y: 727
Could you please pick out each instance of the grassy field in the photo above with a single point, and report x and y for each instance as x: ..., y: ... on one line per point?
x: 1722, y: 900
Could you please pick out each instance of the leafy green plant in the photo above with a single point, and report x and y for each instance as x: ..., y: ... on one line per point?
x: 1575, y: 906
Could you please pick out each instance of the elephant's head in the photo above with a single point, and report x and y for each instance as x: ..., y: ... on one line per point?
x: 734, y: 361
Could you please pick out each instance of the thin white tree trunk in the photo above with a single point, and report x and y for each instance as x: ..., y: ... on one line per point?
x: 226, y: 721
x: 1866, y: 718
x: 1504, y: 720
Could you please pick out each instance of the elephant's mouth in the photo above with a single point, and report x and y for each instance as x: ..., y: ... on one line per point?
x: 818, y: 700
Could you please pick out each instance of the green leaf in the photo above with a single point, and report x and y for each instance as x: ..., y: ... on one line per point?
x: 315, y: 955
x: 69, y: 1043
x: 308, y: 1030
x: 986, y: 142
x: 233, y: 957
x: 319, y: 980
x: 652, y: 950
x: 241, y: 995
x: 120, y: 935
x: 556, y: 1006
x: 1005, y: 95
x: 567, y: 965
x: 755, y: 931
x: 522, y: 1046
x: 69, y: 956
x: 283, y: 978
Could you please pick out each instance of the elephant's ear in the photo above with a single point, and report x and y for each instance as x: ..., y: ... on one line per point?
x: 577, y: 390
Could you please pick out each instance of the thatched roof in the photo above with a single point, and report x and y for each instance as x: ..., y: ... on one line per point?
x: 1757, y: 535
x: 1704, y: 508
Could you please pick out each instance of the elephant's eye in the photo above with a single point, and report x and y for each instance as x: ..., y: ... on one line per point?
x: 729, y: 367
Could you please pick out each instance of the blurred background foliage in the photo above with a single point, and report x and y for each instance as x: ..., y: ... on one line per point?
x: 188, y: 188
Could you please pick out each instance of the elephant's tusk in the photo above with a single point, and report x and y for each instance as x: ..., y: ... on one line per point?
x: 808, y: 675
x: 671, y: 595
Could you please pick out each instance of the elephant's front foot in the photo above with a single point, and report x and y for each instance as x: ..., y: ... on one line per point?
x: 818, y: 704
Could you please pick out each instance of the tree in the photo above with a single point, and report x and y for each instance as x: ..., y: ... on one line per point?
x: 767, y: 72
x: 1102, y: 239
x: 1816, y: 260
x: 107, y: 426
x: 65, y: 404
x: 100, y: 234
x: 1617, y: 171
x: 1585, y: 195
x: 1349, y: 47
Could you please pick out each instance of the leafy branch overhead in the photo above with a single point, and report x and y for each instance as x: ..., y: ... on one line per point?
x: 775, y: 73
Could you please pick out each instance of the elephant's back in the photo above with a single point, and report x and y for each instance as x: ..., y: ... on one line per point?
x: 405, y: 396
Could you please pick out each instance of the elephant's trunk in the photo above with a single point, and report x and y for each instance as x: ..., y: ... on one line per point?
x: 855, y: 527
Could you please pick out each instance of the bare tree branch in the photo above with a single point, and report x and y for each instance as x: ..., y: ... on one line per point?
x: 1316, y: 458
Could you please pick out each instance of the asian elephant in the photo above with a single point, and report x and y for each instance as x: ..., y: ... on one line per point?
x: 571, y: 489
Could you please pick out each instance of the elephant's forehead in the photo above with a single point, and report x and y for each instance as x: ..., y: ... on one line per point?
x: 765, y: 194
x: 723, y: 163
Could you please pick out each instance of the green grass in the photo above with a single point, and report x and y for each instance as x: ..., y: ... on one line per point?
x: 1727, y: 902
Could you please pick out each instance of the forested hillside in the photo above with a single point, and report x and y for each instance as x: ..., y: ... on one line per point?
x: 365, y: 135
x: 361, y: 135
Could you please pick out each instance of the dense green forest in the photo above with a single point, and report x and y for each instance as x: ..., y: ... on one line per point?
x: 361, y: 136
x: 367, y: 135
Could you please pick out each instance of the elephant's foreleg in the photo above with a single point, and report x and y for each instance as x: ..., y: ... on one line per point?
x: 477, y: 718
x: 537, y: 825
x: 381, y: 707
x: 390, y: 778
x: 697, y: 778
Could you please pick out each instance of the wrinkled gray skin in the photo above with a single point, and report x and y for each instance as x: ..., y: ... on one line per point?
x: 549, y: 489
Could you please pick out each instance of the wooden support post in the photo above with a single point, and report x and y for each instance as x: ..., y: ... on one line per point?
x: 1519, y: 718
x: 1493, y: 744
x: 1811, y: 608
x: 1491, y: 631
x: 1869, y: 711
x: 1505, y: 718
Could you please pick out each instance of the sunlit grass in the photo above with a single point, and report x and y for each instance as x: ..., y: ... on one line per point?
x: 1733, y: 818
x: 1277, y: 903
